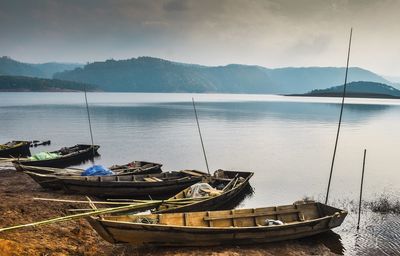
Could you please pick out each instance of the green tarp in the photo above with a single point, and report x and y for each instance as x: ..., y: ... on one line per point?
x: 44, y: 156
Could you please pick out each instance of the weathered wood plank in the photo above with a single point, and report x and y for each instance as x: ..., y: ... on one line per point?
x: 192, y: 173
x: 231, y: 216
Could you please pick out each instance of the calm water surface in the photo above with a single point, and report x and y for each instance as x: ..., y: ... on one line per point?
x: 287, y: 142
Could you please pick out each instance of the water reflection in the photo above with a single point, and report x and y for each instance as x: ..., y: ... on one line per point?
x: 375, y: 236
x: 243, y: 112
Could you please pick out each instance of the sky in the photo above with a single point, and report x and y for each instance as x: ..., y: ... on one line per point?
x: 268, y: 33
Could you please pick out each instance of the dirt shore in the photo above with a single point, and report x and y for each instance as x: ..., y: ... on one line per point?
x: 78, y: 238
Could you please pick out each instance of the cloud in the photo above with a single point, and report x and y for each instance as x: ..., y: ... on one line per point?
x: 264, y: 32
x: 175, y: 5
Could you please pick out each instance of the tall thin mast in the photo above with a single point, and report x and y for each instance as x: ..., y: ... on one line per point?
x: 340, y: 119
x: 201, y: 138
x: 90, y: 124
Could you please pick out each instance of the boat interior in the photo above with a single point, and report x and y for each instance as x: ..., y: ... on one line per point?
x: 221, y: 182
x: 135, y: 165
x: 52, y: 170
x: 12, y: 144
x: 158, y: 177
x: 255, y: 217
x: 120, y: 169
x: 74, y: 149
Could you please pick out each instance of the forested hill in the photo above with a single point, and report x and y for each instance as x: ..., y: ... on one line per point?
x: 359, y: 89
x: 21, y: 83
x: 147, y: 74
x: 12, y: 67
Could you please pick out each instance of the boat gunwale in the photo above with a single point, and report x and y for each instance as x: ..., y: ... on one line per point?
x: 299, y: 223
x: 62, y: 171
x: 73, y: 180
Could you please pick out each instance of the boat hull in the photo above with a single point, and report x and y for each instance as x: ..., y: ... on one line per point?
x: 64, y: 161
x: 163, y: 235
x: 19, y: 151
x: 45, y: 181
x: 142, y: 190
x: 137, y: 186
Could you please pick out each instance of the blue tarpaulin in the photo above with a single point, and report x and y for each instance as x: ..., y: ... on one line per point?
x: 97, y: 170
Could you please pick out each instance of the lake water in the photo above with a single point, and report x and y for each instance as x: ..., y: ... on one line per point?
x: 287, y: 141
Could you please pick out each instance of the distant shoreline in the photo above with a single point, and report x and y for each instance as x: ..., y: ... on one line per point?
x: 53, y: 90
x: 348, y: 95
x: 326, y: 95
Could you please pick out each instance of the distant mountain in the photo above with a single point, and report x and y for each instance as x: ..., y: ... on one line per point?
x: 359, y: 89
x: 147, y: 74
x: 300, y: 80
x: 12, y: 67
x: 22, y: 83
x: 50, y: 68
x: 395, y: 80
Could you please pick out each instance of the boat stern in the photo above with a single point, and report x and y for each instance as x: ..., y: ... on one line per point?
x: 98, y: 226
x: 337, y: 215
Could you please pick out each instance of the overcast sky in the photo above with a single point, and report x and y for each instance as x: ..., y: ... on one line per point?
x: 270, y: 33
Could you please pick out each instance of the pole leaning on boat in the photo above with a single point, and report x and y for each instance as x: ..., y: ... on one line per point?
x: 340, y: 119
x: 90, y: 124
x: 201, y: 138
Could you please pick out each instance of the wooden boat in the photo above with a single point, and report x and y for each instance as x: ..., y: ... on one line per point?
x: 213, y: 228
x: 68, y: 156
x: 233, y: 184
x: 134, y: 167
x: 154, y: 186
x: 48, y: 181
x: 15, y: 149
x: 137, y: 167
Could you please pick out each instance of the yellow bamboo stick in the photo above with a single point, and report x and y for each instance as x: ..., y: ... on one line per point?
x: 81, y: 202
x: 80, y: 215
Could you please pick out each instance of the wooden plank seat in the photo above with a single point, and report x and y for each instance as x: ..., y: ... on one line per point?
x: 235, y: 216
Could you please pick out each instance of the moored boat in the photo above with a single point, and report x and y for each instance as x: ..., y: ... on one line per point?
x: 213, y: 228
x: 134, y: 167
x: 15, y: 149
x: 45, y: 176
x: 137, y: 167
x: 63, y: 157
x: 227, y: 188
x: 149, y: 186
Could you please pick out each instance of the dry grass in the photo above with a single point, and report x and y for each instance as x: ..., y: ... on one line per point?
x: 384, y: 204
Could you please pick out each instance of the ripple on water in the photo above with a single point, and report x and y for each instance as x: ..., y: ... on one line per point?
x: 378, y: 234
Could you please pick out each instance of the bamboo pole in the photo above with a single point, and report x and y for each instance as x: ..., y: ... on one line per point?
x: 340, y: 120
x: 168, y: 200
x: 120, y: 201
x: 172, y: 204
x: 90, y: 123
x: 230, y: 182
x: 80, y: 202
x: 12, y: 159
x: 361, y: 190
x: 80, y: 215
x: 84, y: 210
x: 131, y: 205
x: 201, y: 138
x: 91, y: 204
